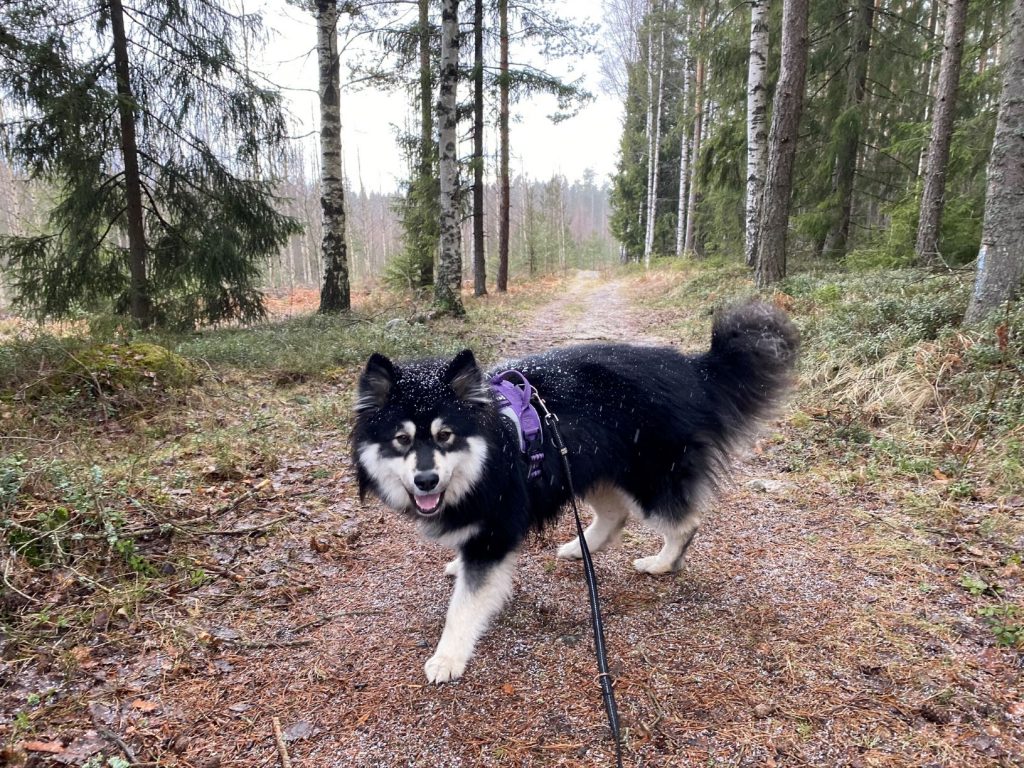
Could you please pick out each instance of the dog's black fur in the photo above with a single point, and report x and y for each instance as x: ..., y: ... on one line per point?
x: 654, y: 424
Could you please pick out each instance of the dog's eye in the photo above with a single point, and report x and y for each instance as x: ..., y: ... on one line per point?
x: 403, y: 439
x: 445, y: 436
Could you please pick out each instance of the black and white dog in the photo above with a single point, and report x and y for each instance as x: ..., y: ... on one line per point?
x: 649, y: 433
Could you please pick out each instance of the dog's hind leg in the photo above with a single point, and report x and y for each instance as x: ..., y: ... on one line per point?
x: 611, y: 511
x: 677, y: 537
x: 453, y: 566
x: 480, y: 593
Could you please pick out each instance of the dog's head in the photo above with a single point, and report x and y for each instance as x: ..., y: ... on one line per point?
x: 418, y: 441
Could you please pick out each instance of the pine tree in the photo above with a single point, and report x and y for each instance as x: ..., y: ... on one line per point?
x: 1000, y: 265
x: 163, y: 144
x: 933, y: 197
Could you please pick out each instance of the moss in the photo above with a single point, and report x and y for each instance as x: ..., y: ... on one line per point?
x: 132, y: 366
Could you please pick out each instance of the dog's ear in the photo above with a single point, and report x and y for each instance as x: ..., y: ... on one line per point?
x: 376, y: 383
x: 464, y: 376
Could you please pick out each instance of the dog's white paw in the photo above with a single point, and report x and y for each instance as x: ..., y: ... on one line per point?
x: 652, y: 565
x: 452, y: 568
x: 442, y: 669
x: 570, y: 550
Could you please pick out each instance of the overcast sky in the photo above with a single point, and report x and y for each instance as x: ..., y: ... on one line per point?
x: 539, y: 148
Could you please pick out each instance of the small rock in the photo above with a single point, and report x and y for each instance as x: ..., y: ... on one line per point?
x: 763, y: 709
x: 768, y: 485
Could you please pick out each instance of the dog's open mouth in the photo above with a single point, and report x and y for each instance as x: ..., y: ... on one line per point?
x: 428, y: 504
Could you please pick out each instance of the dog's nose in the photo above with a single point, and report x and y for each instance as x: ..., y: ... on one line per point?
x: 426, y: 481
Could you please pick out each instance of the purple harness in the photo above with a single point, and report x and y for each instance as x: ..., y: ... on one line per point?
x: 514, y: 394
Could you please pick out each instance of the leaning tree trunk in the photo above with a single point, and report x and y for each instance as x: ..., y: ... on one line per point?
x: 698, y: 124
x: 782, y: 140
x: 1001, y: 257
x: 933, y: 197
x: 503, y: 182
x: 479, y: 264
x: 849, y: 140
x: 757, y: 122
x: 447, y: 287
x: 334, y: 294
x: 140, y: 302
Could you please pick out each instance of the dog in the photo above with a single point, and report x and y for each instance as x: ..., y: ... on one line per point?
x: 649, y: 433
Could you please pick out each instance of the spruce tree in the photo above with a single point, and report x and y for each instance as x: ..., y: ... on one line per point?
x: 156, y: 155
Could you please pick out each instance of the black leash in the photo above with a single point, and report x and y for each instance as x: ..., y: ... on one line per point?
x: 607, y: 689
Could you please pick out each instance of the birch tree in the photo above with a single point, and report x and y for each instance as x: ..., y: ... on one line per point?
x: 1000, y: 265
x: 782, y: 140
x: 479, y: 263
x: 503, y: 152
x: 655, y: 84
x: 757, y: 122
x: 684, y: 164
x: 334, y: 292
x: 447, y: 286
x: 943, y: 112
x: 698, y: 124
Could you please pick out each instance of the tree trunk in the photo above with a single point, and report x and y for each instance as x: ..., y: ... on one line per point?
x: 425, y: 255
x: 334, y: 294
x: 138, y: 291
x: 503, y: 180
x: 1001, y: 257
x: 684, y: 165
x: 652, y: 190
x: 757, y: 122
x: 649, y: 127
x: 479, y: 263
x: 698, y: 123
x: 933, y: 197
x: 849, y: 141
x: 782, y: 139
x: 447, y: 287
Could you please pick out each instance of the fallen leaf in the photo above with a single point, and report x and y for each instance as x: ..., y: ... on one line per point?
x: 298, y: 730
x: 145, y: 706
x: 508, y: 688
x: 50, y: 747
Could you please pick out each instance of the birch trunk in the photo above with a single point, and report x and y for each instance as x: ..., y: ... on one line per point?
x: 698, y: 124
x: 652, y: 203
x: 782, y: 140
x: 138, y: 289
x: 334, y: 294
x: 447, y: 287
x: 933, y: 196
x: 1001, y: 257
x: 757, y: 123
x: 684, y: 167
x: 650, y: 129
x: 503, y: 173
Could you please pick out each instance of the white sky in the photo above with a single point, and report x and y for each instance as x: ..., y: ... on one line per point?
x: 373, y: 160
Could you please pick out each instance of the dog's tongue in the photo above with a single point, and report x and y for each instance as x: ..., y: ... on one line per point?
x: 428, y: 502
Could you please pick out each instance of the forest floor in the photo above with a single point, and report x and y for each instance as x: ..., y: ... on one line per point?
x: 817, y: 622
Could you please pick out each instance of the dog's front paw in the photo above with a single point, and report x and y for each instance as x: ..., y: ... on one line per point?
x: 570, y: 550
x: 441, y: 668
x: 653, y: 565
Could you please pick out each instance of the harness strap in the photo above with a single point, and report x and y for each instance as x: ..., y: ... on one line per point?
x: 607, y: 689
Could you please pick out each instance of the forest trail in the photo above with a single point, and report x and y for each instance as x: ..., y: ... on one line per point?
x: 801, y: 631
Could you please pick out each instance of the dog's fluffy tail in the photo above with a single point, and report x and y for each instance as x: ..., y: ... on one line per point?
x: 754, y: 349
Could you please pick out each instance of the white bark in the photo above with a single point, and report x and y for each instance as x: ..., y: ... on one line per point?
x: 652, y: 187
x: 649, y: 125
x: 684, y: 167
x: 698, y: 124
x: 757, y: 124
x: 447, y: 287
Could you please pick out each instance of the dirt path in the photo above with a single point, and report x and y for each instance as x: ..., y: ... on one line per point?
x: 797, y: 635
